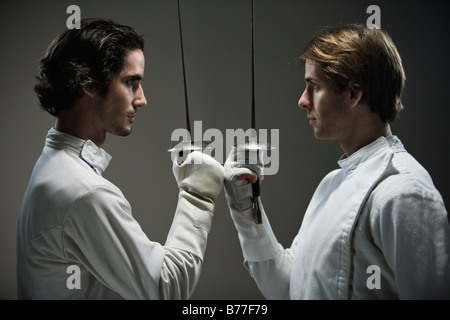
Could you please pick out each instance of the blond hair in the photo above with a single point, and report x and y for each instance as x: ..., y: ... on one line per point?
x: 359, y: 58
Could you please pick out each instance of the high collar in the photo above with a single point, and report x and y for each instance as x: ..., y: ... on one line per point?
x: 97, y: 158
x: 381, y: 144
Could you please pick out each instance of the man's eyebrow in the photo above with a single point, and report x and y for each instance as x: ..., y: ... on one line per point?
x: 134, y: 77
x: 309, y: 79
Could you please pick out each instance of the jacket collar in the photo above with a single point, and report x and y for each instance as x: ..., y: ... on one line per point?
x: 381, y: 144
x: 97, y: 158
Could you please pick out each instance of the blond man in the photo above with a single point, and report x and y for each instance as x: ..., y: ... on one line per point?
x: 376, y: 228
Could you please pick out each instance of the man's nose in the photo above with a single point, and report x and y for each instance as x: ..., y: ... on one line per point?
x: 140, y: 100
x: 304, y: 102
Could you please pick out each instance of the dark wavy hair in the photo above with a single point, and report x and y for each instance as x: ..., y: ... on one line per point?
x: 356, y: 57
x: 88, y: 57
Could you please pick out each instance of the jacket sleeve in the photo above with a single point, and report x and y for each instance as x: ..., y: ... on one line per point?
x: 411, y: 228
x: 267, y: 261
x: 102, y: 235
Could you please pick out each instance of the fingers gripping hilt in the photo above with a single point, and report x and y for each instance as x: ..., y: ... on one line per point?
x: 256, y: 189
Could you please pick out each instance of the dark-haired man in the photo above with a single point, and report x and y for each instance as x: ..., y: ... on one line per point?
x: 377, y: 227
x: 76, y: 237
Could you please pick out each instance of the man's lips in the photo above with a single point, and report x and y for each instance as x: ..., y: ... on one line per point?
x: 312, y: 120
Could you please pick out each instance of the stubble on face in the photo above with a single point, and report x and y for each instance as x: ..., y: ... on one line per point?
x: 327, y: 108
x: 117, y: 108
x: 114, y: 119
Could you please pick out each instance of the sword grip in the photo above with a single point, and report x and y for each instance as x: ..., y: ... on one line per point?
x: 256, y: 189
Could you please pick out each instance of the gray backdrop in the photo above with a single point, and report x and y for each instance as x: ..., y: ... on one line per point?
x: 218, y: 65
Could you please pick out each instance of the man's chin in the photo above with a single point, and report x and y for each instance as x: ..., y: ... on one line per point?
x: 122, y: 132
x: 321, y: 136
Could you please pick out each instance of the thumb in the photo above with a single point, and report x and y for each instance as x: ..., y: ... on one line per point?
x: 249, y: 177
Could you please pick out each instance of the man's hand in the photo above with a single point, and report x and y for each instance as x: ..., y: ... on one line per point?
x: 200, y: 175
x: 242, y: 168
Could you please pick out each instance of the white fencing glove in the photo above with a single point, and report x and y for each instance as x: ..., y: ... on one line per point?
x: 200, y: 179
x: 242, y: 168
x: 257, y: 239
x: 200, y: 175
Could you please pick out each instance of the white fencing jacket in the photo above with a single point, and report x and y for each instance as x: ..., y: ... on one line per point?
x: 375, y: 229
x: 77, y: 238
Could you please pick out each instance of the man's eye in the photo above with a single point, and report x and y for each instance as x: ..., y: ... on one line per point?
x: 312, y: 85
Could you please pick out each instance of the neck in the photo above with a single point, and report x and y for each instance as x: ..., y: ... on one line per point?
x: 79, y: 122
x: 365, y: 135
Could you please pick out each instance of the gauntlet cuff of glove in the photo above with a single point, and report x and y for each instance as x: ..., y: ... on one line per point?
x: 258, y: 241
x: 191, y: 224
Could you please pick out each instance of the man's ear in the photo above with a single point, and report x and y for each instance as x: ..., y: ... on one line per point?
x: 90, y: 91
x: 355, y: 96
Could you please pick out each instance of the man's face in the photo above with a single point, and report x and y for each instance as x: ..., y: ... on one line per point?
x: 117, y: 108
x: 327, y: 110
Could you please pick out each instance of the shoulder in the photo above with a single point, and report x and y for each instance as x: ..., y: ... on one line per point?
x: 61, y: 179
x: 78, y: 176
x: 406, y: 206
x: 331, y: 176
x: 331, y: 180
x: 405, y: 171
x: 98, y: 208
x: 406, y: 187
x: 101, y: 197
x: 406, y: 175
